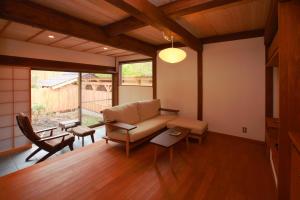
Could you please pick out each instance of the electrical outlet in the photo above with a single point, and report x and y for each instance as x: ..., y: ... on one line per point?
x: 244, y: 129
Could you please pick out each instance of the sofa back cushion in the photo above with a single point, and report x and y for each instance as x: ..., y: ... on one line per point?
x: 127, y: 113
x: 148, y: 109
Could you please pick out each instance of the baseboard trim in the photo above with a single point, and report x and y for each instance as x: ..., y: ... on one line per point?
x: 237, y: 137
x: 15, y: 150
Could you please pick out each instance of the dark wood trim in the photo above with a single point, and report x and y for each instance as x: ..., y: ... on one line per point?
x: 234, y: 36
x: 269, y: 92
x: 154, y: 76
x: 33, y: 14
x: 200, y: 85
x: 150, y: 14
x: 115, y: 85
x: 272, y: 22
x: 51, y: 65
x: 172, y: 9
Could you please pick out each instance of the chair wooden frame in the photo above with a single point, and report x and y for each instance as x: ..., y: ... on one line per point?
x: 37, y: 138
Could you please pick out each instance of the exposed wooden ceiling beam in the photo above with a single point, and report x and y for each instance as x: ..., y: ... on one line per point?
x: 150, y: 14
x: 39, y: 16
x: 234, y: 36
x: 123, y: 26
x: 220, y: 38
x: 173, y: 9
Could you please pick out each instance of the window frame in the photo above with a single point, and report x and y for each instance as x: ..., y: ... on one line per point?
x: 133, y: 62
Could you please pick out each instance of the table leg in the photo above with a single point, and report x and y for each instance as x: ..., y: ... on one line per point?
x: 155, y: 153
x: 171, y: 154
x: 82, y: 141
x: 92, y: 136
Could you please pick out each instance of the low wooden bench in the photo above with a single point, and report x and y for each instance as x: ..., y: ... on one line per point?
x: 65, y: 125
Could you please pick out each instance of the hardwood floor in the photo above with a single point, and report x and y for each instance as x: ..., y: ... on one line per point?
x: 221, y: 168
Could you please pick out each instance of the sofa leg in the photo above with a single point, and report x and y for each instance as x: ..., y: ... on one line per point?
x: 127, y: 148
x: 106, y: 141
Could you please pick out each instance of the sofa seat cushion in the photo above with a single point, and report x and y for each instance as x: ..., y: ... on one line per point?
x: 197, y: 127
x: 127, y: 113
x: 144, y: 129
x: 148, y: 109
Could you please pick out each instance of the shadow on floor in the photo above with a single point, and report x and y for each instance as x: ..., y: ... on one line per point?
x: 15, y: 162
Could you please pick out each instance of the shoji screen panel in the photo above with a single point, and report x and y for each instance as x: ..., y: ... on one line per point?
x: 14, y: 98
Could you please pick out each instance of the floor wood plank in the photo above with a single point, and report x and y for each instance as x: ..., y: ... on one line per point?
x: 221, y: 168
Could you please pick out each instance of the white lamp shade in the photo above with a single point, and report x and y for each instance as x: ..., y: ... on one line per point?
x: 172, y: 55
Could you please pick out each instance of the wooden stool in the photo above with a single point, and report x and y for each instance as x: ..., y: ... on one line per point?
x: 82, y: 131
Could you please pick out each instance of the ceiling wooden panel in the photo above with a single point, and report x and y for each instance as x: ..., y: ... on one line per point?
x: 69, y: 42
x: 113, y: 52
x: 19, y: 31
x: 94, y: 11
x: 99, y: 49
x: 237, y: 17
x: 86, y: 46
x: 43, y: 38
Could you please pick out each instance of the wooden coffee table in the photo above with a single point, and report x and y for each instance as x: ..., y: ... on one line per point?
x: 167, y: 141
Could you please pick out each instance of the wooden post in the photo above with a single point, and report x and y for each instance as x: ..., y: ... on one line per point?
x: 200, y: 84
x: 289, y: 77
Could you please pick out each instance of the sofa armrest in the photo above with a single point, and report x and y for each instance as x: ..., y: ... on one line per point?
x: 169, y: 110
x: 121, y: 125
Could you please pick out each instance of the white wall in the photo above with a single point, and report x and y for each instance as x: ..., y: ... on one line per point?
x: 234, y: 87
x: 128, y: 94
x: 177, y: 84
x: 26, y: 49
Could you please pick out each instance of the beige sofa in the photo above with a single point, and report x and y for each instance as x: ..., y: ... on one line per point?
x: 135, y: 122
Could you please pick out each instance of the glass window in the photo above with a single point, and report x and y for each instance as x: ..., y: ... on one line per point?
x: 136, y: 73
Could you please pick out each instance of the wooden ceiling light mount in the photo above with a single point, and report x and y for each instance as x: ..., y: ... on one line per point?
x: 32, y: 14
x: 171, y: 54
x: 152, y: 15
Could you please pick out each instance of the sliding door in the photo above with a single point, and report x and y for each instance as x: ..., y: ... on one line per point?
x: 14, y: 98
x: 96, y: 95
x: 54, y: 97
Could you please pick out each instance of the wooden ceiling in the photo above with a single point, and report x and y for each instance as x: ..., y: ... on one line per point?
x: 17, y: 31
x: 226, y: 17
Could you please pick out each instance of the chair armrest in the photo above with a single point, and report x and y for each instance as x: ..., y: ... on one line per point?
x: 53, y: 137
x: 169, y: 110
x: 46, y: 129
x: 121, y: 125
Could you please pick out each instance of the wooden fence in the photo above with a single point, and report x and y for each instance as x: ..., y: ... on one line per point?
x: 66, y: 99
